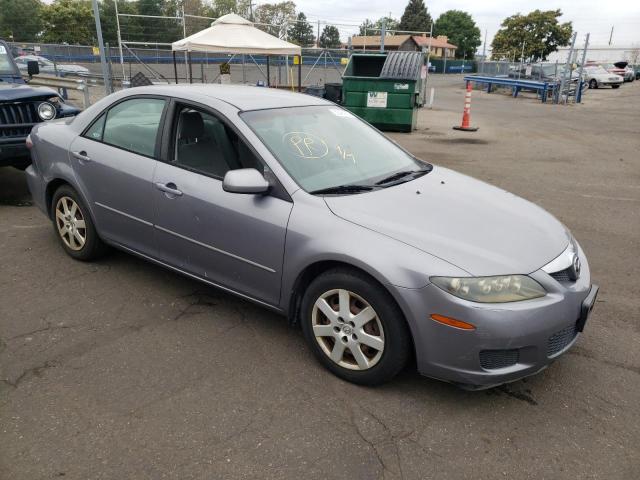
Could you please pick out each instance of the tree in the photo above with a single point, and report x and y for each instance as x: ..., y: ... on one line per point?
x: 374, y: 28
x: 330, y: 37
x: 69, y: 21
x: 18, y: 25
x: 461, y: 30
x: 415, y: 18
x: 275, y: 15
x: 539, y: 32
x: 301, y: 32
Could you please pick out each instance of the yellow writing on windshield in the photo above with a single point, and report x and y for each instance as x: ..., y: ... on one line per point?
x: 345, y: 154
x: 305, y: 145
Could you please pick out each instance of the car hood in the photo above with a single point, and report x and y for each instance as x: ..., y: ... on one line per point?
x: 16, y: 91
x: 479, y: 228
x: 72, y: 68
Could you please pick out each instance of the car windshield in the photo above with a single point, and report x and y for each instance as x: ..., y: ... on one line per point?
x: 551, y: 69
x: 325, y: 147
x: 599, y: 70
x: 7, y: 67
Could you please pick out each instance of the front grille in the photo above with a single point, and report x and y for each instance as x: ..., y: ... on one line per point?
x: 562, y: 275
x: 493, y: 359
x: 560, y: 340
x: 17, y: 119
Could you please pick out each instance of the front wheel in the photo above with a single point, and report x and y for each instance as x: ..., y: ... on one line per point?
x: 354, y: 327
x: 74, y: 226
x: 615, y: 86
x: 593, y: 83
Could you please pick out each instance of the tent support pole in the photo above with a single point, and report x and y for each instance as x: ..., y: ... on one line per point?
x: 190, y: 72
x: 268, y: 72
x: 299, y: 73
x: 175, y: 67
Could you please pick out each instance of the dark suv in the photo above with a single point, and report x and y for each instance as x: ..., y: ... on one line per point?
x: 21, y: 107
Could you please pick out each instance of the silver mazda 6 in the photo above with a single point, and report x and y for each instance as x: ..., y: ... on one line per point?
x: 294, y: 203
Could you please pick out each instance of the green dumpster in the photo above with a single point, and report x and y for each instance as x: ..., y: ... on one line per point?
x: 383, y: 88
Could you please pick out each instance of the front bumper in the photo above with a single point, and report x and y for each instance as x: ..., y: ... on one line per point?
x: 511, y: 340
x: 14, y: 152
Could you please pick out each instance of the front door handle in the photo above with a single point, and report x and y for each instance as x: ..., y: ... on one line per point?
x: 82, y: 156
x: 169, y: 188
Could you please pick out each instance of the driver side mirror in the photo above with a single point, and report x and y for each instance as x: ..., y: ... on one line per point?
x: 33, y: 68
x: 244, y: 180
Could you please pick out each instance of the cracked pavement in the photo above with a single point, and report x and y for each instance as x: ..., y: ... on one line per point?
x: 120, y: 369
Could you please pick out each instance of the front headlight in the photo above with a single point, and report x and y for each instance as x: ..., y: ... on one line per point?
x: 46, y: 111
x: 498, y: 289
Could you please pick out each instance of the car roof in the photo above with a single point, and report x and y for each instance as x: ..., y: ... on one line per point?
x: 240, y: 96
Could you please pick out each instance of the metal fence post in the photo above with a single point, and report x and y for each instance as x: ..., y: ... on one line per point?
x: 584, y: 56
x: 563, y: 81
x: 103, y: 60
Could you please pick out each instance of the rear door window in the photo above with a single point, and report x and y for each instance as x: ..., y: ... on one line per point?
x: 133, y: 125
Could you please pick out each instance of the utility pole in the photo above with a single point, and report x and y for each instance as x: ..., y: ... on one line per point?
x: 383, y: 32
x: 318, y: 36
x: 611, y: 35
x: 115, y: 2
x: 251, y: 11
x: 103, y: 58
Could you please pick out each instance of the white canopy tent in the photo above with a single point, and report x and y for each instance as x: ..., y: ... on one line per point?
x: 231, y: 34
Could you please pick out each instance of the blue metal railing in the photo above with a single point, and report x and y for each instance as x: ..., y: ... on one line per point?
x: 540, y: 87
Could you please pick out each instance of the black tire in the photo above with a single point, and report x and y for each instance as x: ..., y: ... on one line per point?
x: 93, y: 246
x: 593, y: 83
x: 397, y: 341
x: 615, y: 86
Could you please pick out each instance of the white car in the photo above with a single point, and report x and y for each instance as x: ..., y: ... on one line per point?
x: 48, y: 67
x: 629, y: 74
x: 598, y: 77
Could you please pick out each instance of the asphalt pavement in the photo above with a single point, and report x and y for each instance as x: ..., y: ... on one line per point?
x: 120, y: 369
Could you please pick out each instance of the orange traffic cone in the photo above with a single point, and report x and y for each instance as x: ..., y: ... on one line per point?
x: 466, y: 113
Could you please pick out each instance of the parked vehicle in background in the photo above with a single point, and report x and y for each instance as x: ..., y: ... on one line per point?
x: 597, y: 77
x: 299, y: 205
x: 629, y: 72
x: 48, y: 67
x: 611, y: 68
x: 21, y: 107
x: 636, y: 69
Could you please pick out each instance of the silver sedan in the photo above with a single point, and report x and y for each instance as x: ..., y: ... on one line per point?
x: 294, y: 203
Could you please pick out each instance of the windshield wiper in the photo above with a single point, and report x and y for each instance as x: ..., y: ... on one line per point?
x: 343, y: 189
x: 402, y: 174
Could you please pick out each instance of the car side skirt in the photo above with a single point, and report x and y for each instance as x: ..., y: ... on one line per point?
x: 195, y: 277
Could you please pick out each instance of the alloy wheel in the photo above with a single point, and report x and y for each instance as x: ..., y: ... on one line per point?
x: 70, y: 222
x: 348, y: 329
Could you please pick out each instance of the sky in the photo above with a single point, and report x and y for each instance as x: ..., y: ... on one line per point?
x: 593, y: 16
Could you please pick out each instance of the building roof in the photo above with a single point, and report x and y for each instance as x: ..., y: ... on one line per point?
x: 436, y: 42
x: 374, y: 40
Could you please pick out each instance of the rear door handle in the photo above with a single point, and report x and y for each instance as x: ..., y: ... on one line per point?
x: 82, y: 156
x: 169, y: 188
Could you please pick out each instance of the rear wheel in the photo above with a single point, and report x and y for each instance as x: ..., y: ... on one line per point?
x: 593, y: 83
x: 74, y: 226
x: 615, y: 86
x: 354, y: 327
